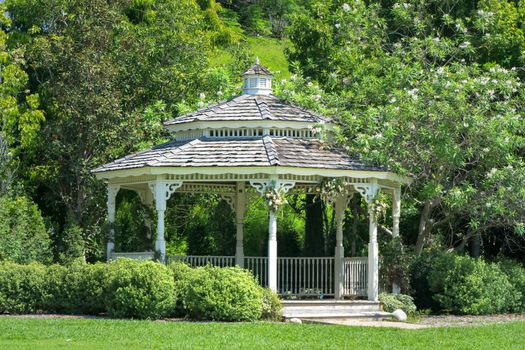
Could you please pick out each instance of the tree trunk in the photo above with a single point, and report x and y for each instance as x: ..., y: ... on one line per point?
x: 475, y: 246
x: 313, y: 228
x: 425, y: 225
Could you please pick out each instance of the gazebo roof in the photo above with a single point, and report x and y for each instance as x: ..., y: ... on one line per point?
x: 241, y: 152
x: 251, y: 108
x: 257, y: 69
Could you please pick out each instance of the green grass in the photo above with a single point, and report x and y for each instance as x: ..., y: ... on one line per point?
x: 269, y: 50
x: 44, y: 333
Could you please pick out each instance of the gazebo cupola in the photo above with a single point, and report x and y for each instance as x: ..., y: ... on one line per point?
x: 257, y: 80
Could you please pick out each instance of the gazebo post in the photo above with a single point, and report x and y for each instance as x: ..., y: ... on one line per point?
x: 112, y: 196
x: 272, y: 251
x: 240, y: 207
x: 396, y: 212
x: 160, y: 205
x: 340, y: 207
x: 162, y: 191
x: 373, y: 248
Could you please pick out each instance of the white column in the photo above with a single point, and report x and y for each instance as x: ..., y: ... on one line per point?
x: 340, y: 206
x: 112, y: 196
x: 162, y: 191
x: 396, y: 212
x: 272, y: 251
x: 240, y: 207
x: 373, y: 249
x: 160, y: 205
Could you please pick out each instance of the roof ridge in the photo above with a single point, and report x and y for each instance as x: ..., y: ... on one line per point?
x: 264, y: 110
x: 271, y: 151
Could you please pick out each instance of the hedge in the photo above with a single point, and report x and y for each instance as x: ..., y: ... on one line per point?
x: 463, y: 285
x: 136, y: 289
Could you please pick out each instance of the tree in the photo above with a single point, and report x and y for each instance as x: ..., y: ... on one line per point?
x: 20, y: 117
x: 98, y: 67
x: 417, y: 91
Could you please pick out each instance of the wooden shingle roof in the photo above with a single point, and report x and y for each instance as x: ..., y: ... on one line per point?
x: 257, y: 69
x: 251, y: 107
x: 242, y: 152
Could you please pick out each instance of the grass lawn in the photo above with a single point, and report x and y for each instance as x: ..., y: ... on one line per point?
x: 69, y: 333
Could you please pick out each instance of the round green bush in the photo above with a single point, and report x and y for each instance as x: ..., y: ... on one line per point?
x: 392, y: 302
x: 75, y: 289
x: 271, y: 306
x: 22, y: 287
x: 223, y: 294
x: 465, y: 285
x: 139, y: 289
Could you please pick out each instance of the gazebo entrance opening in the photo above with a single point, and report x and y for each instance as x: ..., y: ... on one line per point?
x: 256, y: 144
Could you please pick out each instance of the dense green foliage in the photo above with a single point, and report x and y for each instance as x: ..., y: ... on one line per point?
x: 22, y: 287
x: 139, y: 289
x: 44, y: 334
x: 463, y: 285
x: 222, y: 294
x: 23, y: 234
x: 136, y: 289
x: 393, y: 302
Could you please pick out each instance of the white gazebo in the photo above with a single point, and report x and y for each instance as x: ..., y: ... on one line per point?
x: 248, y: 146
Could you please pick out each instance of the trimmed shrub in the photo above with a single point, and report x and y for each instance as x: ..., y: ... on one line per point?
x: 272, y: 309
x: 392, y: 302
x: 139, y: 289
x: 182, y: 274
x: 22, y: 287
x: 223, y: 294
x: 516, y: 275
x: 470, y: 286
x: 75, y: 289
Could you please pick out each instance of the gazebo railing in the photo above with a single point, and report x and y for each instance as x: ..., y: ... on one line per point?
x: 355, y: 276
x: 296, y: 276
x: 202, y: 260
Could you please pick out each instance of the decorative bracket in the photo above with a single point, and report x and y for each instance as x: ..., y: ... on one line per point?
x: 230, y: 199
x: 162, y: 191
x: 368, y: 191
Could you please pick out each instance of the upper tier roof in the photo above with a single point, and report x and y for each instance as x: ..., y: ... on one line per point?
x: 251, y: 108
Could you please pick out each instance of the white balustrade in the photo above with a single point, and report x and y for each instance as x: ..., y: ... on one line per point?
x: 202, y: 260
x: 297, y: 276
x: 355, y: 276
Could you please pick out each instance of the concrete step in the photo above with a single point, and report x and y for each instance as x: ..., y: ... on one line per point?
x: 323, y: 310
x: 330, y: 306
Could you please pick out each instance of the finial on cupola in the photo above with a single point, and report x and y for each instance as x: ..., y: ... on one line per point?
x: 257, y: 80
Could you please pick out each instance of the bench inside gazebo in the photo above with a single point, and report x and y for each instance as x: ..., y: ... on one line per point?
x: 258, y: 145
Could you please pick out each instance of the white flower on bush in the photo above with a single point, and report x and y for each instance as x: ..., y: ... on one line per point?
x: 202, y: 95
x: 464, y: 44
x: 346, y: 7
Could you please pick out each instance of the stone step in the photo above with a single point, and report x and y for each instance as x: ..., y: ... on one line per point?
x: 329, y: 306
